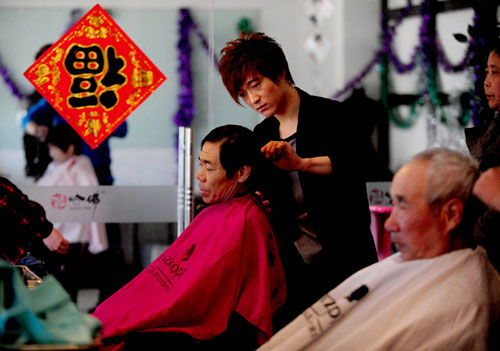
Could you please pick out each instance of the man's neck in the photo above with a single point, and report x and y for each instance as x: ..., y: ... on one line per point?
x: 289, y: 115
x: 458, y: 244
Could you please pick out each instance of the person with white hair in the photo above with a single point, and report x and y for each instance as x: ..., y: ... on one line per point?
x: 439, y: 292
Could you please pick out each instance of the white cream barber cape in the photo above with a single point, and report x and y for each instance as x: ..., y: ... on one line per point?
x: 450, y: 302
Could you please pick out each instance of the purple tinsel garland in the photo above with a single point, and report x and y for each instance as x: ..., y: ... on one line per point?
x: 426, y: 41
x: 204, y: 43
x: 388, y: 37
x: 12, y: 86
x: 184, y: 115
x: 462, y: 65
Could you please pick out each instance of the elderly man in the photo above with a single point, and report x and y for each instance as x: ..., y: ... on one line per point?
x: 439, y: 292
x: 219, y: 284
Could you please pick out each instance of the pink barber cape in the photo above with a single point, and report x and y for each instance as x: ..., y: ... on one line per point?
x: 226, y: 260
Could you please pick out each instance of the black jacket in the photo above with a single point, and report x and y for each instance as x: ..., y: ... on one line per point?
x: 337, y: 204
x: 483, y: 142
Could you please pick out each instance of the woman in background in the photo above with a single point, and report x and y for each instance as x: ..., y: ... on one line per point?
x: 70, y: 168
x: 483, y: 142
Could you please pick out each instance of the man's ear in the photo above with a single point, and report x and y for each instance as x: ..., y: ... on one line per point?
x: 452, y: 213
x: 243, y: 173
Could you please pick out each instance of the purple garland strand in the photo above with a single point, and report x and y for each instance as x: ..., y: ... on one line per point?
x: 462, y: 65
x: 204, y: 43
x: 387, y: 40
x: 185, y: 113
x: 388, y: 37
x: 355, y: 81
x: 12, y: 86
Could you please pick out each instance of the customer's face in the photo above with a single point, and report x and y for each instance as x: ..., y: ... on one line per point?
x: 213, y: 184
x: 263, y: 95
x: 492, y: 81
x: 58, y: 155
x: 415, y: 229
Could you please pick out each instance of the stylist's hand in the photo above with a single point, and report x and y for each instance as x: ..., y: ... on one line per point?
x: 282, y: 155
x: 55, y: 242
x: 265, y: 203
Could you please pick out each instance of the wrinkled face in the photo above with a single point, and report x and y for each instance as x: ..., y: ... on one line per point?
x: 415, y: 229
x: 263, y: 95
x: 492, y: 81
x: 213, y: 184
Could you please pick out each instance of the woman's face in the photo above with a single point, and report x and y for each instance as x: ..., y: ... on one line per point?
x: 492, y: 81
x: 58, y: 155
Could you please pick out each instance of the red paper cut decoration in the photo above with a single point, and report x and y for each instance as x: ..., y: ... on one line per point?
x: 95, y: 76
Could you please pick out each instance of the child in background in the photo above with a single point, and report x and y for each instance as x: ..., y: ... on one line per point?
x: 87, y: 240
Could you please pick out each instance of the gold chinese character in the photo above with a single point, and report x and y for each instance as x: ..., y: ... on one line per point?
x: 92, y: 126
x: 96, y: 21
x: 42, y: 73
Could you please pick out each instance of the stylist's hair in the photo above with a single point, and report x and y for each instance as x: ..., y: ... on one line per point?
x: 451, y: 175
x: 238, y: 148
x: 249, y: 55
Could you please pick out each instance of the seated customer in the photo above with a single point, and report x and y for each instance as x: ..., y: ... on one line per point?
x: 439, y: 292
x: 222, y: 279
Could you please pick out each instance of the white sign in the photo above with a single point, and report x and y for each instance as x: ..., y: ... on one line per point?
x: 106, y: 204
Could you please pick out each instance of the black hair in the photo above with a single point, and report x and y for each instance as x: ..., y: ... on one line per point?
x: 251, y: 54
x: 63, y: 135
x: 42, y: 50
x: 238, y: 148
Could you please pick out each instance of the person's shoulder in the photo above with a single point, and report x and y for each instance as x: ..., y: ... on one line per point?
x: 317, y: 107
x: 83, y: 159
x: 266, y: 123
x: 315, y: 99
x: 4, y: 181
x: 267, y: 130
x: 245, y: 200
x: 472, y: 275
x: 256, y: 215
x: 81, y: 164
x: 247, y: 204
x: 480, y: 260
x: 6, y: 186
